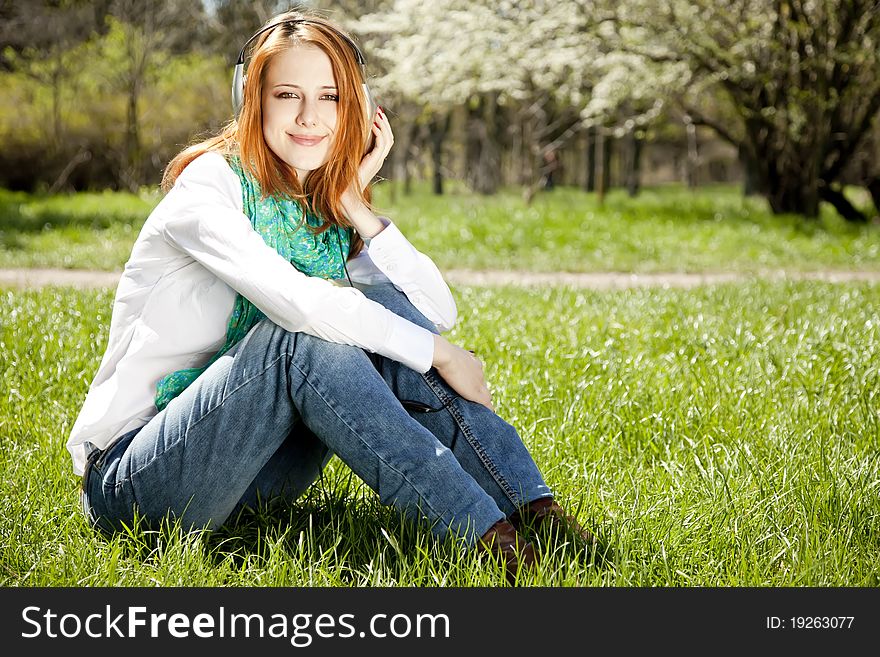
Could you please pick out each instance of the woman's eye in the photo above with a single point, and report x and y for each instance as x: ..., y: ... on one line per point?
x: 332, y: 97
x: 286, y: 94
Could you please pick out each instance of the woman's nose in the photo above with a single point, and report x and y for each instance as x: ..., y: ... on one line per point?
x: 307, y: 114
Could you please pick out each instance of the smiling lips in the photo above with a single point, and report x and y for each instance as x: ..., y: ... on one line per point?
x: 306, y: 141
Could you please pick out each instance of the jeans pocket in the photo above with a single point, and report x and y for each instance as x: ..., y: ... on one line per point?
x: 434, y: 396
x: 94, y: 492
x: 418, y: 406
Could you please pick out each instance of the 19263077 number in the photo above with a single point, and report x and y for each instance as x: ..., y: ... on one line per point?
x: 810, y: 622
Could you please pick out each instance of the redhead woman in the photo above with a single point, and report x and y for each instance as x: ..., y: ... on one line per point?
x: 268, y: 318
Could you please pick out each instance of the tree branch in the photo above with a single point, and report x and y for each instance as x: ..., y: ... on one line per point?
x: 854, y: 137
x: 700, y: 119
x: 846, y: 209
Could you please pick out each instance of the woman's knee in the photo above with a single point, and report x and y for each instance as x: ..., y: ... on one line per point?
x: 398, y: 303
x: 305, y: 347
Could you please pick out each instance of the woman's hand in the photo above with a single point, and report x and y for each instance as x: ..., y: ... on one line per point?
x: 370, y: 165
x: 462, y: 370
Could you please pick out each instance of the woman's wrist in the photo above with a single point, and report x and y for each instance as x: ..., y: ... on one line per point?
x: 442, y: 351
x: 367, y: 224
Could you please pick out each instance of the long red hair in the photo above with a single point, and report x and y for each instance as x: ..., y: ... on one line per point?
x: 323, y: 187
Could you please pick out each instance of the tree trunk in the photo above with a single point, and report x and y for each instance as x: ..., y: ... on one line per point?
x: 489, y: 179
x: 483, y: 157
x: 590, y: 177
x: 692, y: 154
x: 607, y: 151
x: 401, y: 155
x: 750, y: 171
x: 84, y: 155
x: 515, y: 156
x: 420, y: 138
x: 601, y: 179
x: 57, y: 74
x: 532, y: 161
x: 790, y: 195
x: 132, y: 155
x: 633, y: 162
x: 439, y: 128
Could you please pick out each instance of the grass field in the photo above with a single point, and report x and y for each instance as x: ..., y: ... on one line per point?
x: 669, y: 229
x: 721, y: 436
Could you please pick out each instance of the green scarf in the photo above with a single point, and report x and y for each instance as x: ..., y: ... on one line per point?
x: 279, y: 221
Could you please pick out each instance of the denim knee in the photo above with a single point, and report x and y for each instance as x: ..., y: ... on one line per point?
x: 306, y: 349
x: 384, y: 294
x: 397, y: 302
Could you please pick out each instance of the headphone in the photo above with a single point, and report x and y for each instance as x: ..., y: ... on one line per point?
x: 238, y: 76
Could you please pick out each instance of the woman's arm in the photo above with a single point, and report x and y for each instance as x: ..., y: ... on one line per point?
x: 459, y: 368
x: 389, y: 251
x: 202, y: 217
x: 389, y: 256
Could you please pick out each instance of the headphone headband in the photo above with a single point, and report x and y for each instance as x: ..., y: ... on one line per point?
x: 291, y: 23
x: 238, y: 71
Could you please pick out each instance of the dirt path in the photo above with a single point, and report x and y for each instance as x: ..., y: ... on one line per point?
x: 82, y: 278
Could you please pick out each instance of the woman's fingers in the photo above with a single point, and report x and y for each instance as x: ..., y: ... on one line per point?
x: 384, y: 140
x: 384, y: 137
x: 384, y: 126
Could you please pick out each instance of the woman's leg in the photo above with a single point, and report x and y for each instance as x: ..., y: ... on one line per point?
x: 487, y: 447
x: 201, y: 455
x: 294, y: 466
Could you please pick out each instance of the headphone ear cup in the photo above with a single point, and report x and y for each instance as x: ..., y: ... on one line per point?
x: 371, y: 113
x: 371, y: 102
x: 238, y: 78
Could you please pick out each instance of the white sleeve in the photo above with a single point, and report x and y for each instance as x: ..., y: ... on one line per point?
x: 389, y: 255
x: 202, y: 216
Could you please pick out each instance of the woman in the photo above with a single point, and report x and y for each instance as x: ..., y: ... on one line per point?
x: 238, y: 361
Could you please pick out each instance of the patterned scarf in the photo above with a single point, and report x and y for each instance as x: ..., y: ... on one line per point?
x: 279, y: 222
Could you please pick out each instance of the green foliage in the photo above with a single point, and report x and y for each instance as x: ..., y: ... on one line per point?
x: 78, y: 101
x: 721, y: 436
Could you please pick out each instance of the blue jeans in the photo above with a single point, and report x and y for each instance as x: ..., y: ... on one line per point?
x: 264, y: 419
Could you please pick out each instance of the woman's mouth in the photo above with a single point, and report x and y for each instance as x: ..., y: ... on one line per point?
x: 306, y: 141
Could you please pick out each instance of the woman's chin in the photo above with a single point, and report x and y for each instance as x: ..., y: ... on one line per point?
x: 303, y: 166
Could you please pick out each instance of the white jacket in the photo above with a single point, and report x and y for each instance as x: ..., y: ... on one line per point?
x: 197, y: 250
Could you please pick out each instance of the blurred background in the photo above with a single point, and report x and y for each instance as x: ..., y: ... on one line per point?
x: 779, y: 97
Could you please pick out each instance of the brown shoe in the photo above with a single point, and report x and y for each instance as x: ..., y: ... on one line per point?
x: 546, y: 517
x: 503, y: 541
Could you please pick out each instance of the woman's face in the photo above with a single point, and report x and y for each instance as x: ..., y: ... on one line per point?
x: 299, y: 108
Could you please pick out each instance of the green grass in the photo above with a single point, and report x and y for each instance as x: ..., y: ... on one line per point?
x: 720, y: 436
x: 80, y: 231
x: 664, y: 229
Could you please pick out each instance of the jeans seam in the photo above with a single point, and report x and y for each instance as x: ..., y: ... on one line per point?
x: 422, y: 498
x: 477, y: 446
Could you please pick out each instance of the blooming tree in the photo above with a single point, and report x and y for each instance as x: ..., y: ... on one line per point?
x: 793, y: 84
x: 545, y: 65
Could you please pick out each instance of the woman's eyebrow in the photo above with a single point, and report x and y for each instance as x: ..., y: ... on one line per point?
x: 296, y: 86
